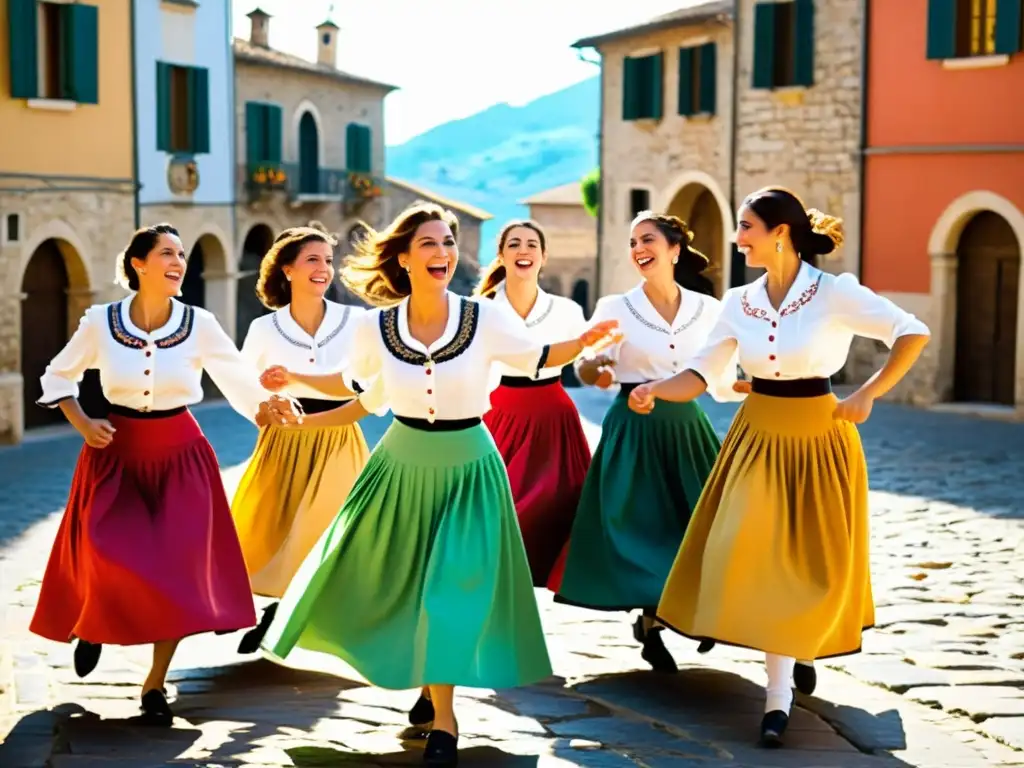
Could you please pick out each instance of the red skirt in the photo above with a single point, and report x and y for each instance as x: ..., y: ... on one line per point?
x: 147, y: 549
x: 538, y: 431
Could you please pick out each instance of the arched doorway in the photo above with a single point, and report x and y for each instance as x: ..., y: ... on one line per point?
x: 696, y: 205
x: 987, y: 286
x: 248, y: 306
x: 581, y: 294
x: 206, y: 253
x: 309, y: 155
x: 45, y: 329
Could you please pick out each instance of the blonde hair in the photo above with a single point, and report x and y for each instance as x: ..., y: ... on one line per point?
x: 372, y: 271
x: 495, y: 274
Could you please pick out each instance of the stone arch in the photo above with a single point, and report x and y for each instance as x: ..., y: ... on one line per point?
x: 698, y: 189
x: 76, y: 258
x: 257, y: 242
x: 943, y: 245
x: 207, y: 260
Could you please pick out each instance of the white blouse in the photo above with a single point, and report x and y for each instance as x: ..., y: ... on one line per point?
x: 551, y: 320
x: 810, y: 336
x: 449, y: 379
x: 653, y: 349
x: 155, y: 371
x: 276, y: 339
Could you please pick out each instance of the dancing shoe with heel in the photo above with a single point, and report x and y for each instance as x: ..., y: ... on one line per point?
x: 250, y: 642
x: 773, y: 725
x: 654, y: 651
x: 805, y: 678
x: 442, y: 750
x: 155, y: 709
x: 87, y: 656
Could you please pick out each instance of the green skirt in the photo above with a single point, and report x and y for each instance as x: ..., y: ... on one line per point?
x: 422, y: 577
x: 644, y: 482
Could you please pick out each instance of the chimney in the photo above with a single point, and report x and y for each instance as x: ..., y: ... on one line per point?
x: 259, y: 33
x: 327, y: 44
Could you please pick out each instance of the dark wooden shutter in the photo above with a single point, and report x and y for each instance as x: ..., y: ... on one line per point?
x: 708, y: 78
x: 163, y: 106
x: 764, y: 46
x: 686, y: 59
x: 630, y: 89
x: 654, y: 86
x: 199, y: 110
x: 351, y: 146
x: 941, y: 29
x: 81, y: 60
x: 366, y: 149
x: 1008, y: 26
x: 274, y: 122
x: 255, y: 134
x: 803, y: 42
x: 23, y: 39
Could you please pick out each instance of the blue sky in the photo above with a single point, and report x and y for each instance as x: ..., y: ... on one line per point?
x: 452, y: 58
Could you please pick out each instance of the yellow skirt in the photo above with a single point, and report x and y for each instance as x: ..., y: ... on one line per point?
x: 296, y: 482
x: 776, y: 554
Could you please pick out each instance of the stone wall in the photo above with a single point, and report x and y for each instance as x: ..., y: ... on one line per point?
x: 571, y: 235
x: 661, y: 156
x: 91, y: 228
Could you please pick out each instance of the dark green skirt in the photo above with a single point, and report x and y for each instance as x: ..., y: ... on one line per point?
x: 422, y: 578
x: 644, y: 482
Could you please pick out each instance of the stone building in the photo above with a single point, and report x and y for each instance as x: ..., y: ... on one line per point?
x: 67, y: 203
x: 310, y: 146
x: 571, y: 235
x: 401, y: 194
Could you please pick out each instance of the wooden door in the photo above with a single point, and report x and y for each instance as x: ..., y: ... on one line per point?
x: 44, y: 327
x: 309, y: 160
x: 988, y: 276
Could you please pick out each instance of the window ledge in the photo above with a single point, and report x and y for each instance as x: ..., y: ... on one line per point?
x: 977, y: 62
x: 790, y: 95
x: 54, y: 105
x: 646, y: 123
x: 700, y: 117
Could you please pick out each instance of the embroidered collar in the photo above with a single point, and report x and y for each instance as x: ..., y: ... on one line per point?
x: 540, y: 311
x: 808, y: 281
x: 285, y: 325
x: 119, y: 328
x: 659, y: 325
x: 468, y: 319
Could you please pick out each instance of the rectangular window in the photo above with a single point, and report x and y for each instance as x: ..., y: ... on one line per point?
x: 358, y: 148
x: 183, y: 109
x: 639, y: 200
x: 51, y: 62
x: 965, y: 28
x: 643, y: 80
x: 54, y: 51
x: 263, y: 123
x: 697, y: 79
x: 783, y: 44
x: 12, y: 229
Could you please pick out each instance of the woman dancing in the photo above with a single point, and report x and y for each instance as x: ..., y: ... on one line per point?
x: 533, y: 421
x: 146, y: 551
x: 296, y: 480
x: 776, y: 556
x: 647, y: 474
x: 422, y: 580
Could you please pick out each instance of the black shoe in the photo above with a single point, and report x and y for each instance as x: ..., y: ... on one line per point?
x: 705, y: 646
x: 442, y: 750
x: 654, y: 652
x: 87, y: 656
x: 422, y: 713
x: 773, y: 725
x: 155, y: 709
x: 250, y: 642
x: 805, y: 677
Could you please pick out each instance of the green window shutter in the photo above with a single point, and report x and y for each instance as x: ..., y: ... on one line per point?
x: 365, y: 149
x: 630, y: 90
x: 163, y: 106
x: 274, y: 123
x: 764, y: 46
x: 1008, y: 26
x: 22, y: 26
x: 686, y: 59
x: 803, y: 42
x: 351, y: 146
x: 81, y: 53
x: 708, y: 78
x: 199, y: 110
x: 255, y: 133
x: 654, y: 86
x: 941, y: 29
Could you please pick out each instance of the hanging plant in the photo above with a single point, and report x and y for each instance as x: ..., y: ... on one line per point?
x: 590, y: 187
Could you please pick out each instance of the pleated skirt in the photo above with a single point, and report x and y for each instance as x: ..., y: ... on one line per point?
x: 422, y: 577
x: 540, y: 437
x: 646, y: 476
x: 295, y: 482
x: 776, y: 556
x: 146, y: 549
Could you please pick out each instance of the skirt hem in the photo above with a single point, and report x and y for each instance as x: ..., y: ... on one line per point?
x: 607, y: 608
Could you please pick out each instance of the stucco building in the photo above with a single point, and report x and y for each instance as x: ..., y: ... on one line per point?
x: 67, y: 203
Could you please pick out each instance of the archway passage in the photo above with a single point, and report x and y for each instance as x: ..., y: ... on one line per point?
x: 987, y: 280
x: 696, y: 205
x: 193, y: 291
x: 581, y: 294
x: 248, y: 306
x: 309, y: 151
x: 45, y: 328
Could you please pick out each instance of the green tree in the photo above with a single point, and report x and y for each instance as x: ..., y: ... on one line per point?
x: 590, y: 186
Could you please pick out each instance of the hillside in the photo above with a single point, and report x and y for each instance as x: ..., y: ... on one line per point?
x: 503, y: 154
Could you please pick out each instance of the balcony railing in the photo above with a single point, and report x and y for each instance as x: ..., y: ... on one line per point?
x: 263, y: 178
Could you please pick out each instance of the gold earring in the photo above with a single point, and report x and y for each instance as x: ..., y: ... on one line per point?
x: 778, y: 246
x: 142, y: 271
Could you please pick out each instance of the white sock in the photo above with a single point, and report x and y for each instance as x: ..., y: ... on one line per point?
x: 779, y: 691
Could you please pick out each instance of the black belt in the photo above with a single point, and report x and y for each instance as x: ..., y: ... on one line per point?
x: 524, y: 382
x: 791, y: 387
x: 311, y: 405
x: 131, y: 413
x: 441, y: 425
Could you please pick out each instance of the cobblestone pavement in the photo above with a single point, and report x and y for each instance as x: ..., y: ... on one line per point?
x: 941, y: 681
